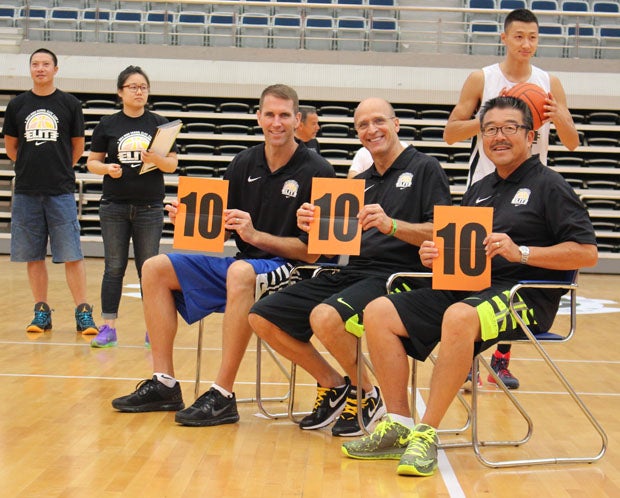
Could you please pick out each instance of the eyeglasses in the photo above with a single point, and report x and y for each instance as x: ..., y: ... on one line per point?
x: 135, y: 88
x: 509, y: 129
x: 376, y: 122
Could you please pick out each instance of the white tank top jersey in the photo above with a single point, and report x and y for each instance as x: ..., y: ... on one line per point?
x: 494, y: 80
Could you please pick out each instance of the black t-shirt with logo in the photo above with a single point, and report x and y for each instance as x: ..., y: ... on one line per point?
x: 44, y: 127
x: 123, y: 138
x: 272, y: 199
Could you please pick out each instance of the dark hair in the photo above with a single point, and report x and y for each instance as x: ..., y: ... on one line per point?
x: 45, y: 51
x: 305, y: 110
x: 521, y: 15
x: 508, y: 103
x: 127, y: 72
x: 283, y: 92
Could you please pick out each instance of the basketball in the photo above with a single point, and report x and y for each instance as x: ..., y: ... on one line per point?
x: 534, y: 96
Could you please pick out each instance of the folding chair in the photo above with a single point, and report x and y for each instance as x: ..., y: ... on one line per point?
x: 537, y: 341
x: 264, y: 286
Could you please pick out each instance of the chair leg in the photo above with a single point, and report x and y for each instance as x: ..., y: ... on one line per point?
x: 198, y: 358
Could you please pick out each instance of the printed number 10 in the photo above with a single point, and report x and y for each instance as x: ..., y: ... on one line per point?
x: 211, y: 210
x: 470, y: 241
x: 345, y: 210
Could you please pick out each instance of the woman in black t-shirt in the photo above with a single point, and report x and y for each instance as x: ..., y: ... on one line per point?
x: 131, y: 206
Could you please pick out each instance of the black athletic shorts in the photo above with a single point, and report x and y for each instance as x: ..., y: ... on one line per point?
x: 348, y: 292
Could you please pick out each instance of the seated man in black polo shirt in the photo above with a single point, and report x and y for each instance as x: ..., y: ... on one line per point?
x: 267, y: 184
x: 402, y: 188
x: 540, y: 230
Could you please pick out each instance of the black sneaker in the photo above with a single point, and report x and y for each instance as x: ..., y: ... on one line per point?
x: 212, y: 408
x: 42, y: 320
x: 84, y: 322
x: 151, y: 396
x: 373, y: 410
x: 499, y: 363
x: 328, y: 406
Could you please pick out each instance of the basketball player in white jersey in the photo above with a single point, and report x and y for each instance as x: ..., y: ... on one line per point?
x: 520, y: 38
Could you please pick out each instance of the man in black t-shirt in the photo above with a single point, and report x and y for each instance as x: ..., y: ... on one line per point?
x: 44, y: 136
x: 402, y: 188
x: 541, y: 230
x: 267, y: 184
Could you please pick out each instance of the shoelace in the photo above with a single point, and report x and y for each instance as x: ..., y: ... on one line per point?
x: 502, y: 369
x: 350, y: 408
x: 85, y: 318
x: 321, y: 392
x: 419, y: 442
x: 41, y: 316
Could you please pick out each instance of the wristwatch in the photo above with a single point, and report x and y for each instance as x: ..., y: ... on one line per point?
x: 525, y: 254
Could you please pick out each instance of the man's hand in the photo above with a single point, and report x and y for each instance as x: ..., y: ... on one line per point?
x: 373, y: 216
x: 428, y: 252
x: 305, y: 216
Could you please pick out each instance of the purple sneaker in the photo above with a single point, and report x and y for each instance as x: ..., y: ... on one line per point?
x: 147, y: 341
x: 106, y: 338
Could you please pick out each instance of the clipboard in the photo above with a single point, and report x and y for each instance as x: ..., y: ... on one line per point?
x: 162, y: 142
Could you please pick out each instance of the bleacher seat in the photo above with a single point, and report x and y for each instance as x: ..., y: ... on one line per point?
x: 285, y: 9
x: 200, y: 107
x: 200, y: 127
x: 266, y: 7
x: 576, y: 6
x: 235, y: 128
x: 385, y: 8
x: 253, y: 30
x: 334, y: 110
x: 351, y: 33
x: 335, y: 130
x: 434, y: 114
x: 198, y: 170
x: 319, y: 7
x: 7, y: 16
x: 611, y: 8
x: 602, y: 142
x: 484, y: 38
x: 33, y: 21
x: 203, y: 8
x: 541, y: 8
x: 318, y: 32
x: 234, y: 107
x: 95, y: 25
x: 230, y: 149
x: 62, y: 24
x: 221, y: 29
x: 512, y: 4
x: 126, y: 26
x: 581, y: 41
x: 167, y: 105
x: 100, y: 104
x: 383, y: 35
x: 332, y: 153
x: 405, y: 112
x: 551, y: 40
x: 601, y: 162
x: 347, y: 8
x: 481, y: 16
x: 431, y: 133
x: 158, y: 27
x: 609, y: 42
x: 191, y: 28
x: 407, y: 133
x: 195, y: 148
x: 286, y: 31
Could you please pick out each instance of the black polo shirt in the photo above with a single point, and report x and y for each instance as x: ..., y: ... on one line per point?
x: 272, y: 199
x: 409, y: 190
x: 536, y: 207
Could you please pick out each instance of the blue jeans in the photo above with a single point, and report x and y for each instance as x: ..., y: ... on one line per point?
x: 121, y: 223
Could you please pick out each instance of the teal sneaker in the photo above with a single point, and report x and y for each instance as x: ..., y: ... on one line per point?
x: 84, y: 322
x: 42, y: 320
x: 388, y: 442
x: 420, y: 457
x: 106, y: 338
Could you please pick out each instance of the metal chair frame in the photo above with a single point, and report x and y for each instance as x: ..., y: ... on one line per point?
x: 537, y: 341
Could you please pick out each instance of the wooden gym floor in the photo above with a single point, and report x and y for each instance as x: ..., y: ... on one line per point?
x: 59, y: 435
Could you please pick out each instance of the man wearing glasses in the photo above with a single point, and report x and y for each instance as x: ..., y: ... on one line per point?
x: 520, y: 38
x: 540, y: 230
x: 402, y: 188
